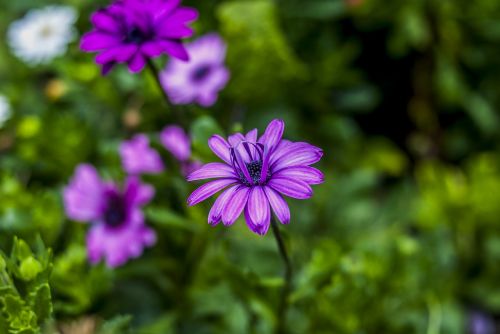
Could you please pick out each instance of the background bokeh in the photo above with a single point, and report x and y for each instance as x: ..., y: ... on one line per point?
x: 403, y: 236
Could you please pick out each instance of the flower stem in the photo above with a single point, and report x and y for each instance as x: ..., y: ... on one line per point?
x: 156, y: 74
x: 288, y: 277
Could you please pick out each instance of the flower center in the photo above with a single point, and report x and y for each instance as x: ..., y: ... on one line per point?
x: 255, y: 170
x: 115, y: 213
x: 201, y: 73
x: 136, y: 36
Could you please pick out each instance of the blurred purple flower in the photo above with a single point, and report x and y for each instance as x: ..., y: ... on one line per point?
x: 256, y: 173
x: 118, y: 232
x: 132, y: 31
x: 138, y: 157
x: 481, y: 323
x: 200, y: 79
x: 177, y: 142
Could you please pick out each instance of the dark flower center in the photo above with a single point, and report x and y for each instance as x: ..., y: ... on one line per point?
x: 115, y: 213
x: 201, y: 73
x: 136, y: 36
x: 255, y: 170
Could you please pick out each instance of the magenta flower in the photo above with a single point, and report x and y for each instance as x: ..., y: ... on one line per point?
x: 256, y: 173
x: 200, y: 79
x: 138, y: 157
x: 118, y: 232
x: 132, y: 31
x: 177, y: 142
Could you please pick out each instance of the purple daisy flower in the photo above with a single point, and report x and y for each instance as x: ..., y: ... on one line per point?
x: 132, y: 31
x: 257, y: 173
x: 118, y: 232
x: 200, y: 79
x: 138, y: 157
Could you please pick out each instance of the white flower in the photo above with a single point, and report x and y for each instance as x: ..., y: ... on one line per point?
x: 4, y: 110
x: 42, y: 34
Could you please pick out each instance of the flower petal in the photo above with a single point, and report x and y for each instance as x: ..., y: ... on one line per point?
x: 84, y: 196
x: 102, y: 20
x: 235, y: 139
x: 96, y: 40
x: 215, y: 214
x: 279, y: 205
x: 235, y: 205
x: 211, y: 171
x: 207, y: 190
x: 251, y: 136
x: 295, y: 154
x: 258, y: 214
x: 137, y: 63
x: 137, y: 193
x: 220, y: 147
x: 307, y: 174
x: 174, y: 49
x: 273, y: 134
x: 291, y: 187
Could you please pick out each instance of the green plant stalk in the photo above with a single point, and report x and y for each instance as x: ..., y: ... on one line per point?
x: 283, y: 304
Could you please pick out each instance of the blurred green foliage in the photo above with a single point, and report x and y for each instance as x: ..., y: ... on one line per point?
x: 403, y: 237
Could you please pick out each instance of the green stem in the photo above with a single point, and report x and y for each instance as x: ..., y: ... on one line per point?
x: 283, y: 305
x: 156, y: 74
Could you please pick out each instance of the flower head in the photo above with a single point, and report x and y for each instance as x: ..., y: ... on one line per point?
x: 200, y: 79
x: 257, y: 172
x: 138, y: 157
x: 118, y: 232
x: 132, y: 31
x: 42, y: 34
x: 5, y: 111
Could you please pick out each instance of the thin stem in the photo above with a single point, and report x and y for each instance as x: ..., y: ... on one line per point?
x: 156, y: 74
x: 288, y: 277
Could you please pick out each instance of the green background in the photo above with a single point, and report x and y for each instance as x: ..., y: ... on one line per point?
x: 403, y: 236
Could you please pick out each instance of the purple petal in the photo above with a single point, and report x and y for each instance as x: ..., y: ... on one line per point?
x: 215, y: 214
x: 296, y: 154
x: 151, y: 49
x: 235, y: 139
x: 207, y: 190
x: 279, y: 205
x: 307, y: 174
x: 102, y: 20
x: 138, y: 157
x: 177, y: 142
x: 211, y: 171
x: 184, y: 14
x: 95, y: 41
x: 137, y: 63
x: 291, y: 187
x: 118, y: 245
x: 273, y: 134
x: 137, y: 193
x: 220, y: 147
x: 84, y: 196
x: 174, y: 49
x: 235, y: 205
x: 251, y: 136
x: 258, y: 214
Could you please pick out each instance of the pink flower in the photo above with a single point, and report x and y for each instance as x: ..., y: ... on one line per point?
x: 118, y: 231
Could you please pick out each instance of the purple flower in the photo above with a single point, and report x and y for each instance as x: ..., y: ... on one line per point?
x: 257, y: 173
x: 118, y: 232
x: 177, y: 142
x: 481, y: 323
x: 200, y: 79
x: 138, y: 157
x: 132, y: 31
